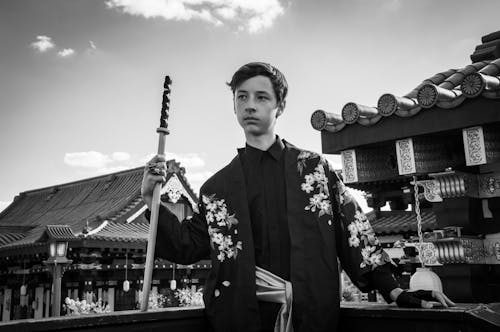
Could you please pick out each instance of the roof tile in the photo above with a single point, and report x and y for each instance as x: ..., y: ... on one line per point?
x: 446, y: 90
x: 391, y: 222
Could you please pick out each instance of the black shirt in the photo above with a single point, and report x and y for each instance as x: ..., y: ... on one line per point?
x: 266, y: 194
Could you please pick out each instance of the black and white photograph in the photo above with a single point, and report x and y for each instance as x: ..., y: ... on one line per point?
x: 250, y: 165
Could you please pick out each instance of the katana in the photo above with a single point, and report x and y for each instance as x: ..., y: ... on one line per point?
x: 155, y: 204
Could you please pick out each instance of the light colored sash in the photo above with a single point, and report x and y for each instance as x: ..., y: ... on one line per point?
x: 271, y: 288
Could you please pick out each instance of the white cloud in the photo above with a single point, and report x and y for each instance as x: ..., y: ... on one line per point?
x: 92, y: 45
x: 91, y: 163
x: 66, y: 52
x: 196, y: 179
x: 250, y: 15
x: 90, y: 159
x: 334, y: 160
x: 3, y: 205
x: 120, y: 156
x: 187, y: 160
x: 43, y: 44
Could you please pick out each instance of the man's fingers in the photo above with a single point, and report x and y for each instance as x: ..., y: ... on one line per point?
x: 443, y: 299
x: 158, y: 178
x: 448, y: 301
x: 159, y: 158
x: 426, y: 305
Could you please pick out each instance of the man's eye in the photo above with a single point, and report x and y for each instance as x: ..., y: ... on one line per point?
x: 263, y: 98
x: 241, y: 97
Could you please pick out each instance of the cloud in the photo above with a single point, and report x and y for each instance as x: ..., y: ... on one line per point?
x: 120, y: 156
x: 196, y: 179
x: 91, y: 163
x: 43, y: 44
x: 92, y: 45
x: 66, y: 52
x: 3, y: 205
x: 250, y: 15
x: 90, y: 159
x: 187, y: 160
x: 334, y: 160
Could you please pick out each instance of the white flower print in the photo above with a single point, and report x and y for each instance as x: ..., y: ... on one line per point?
x: 216, y: 214
x: 307, y: 187
x: 362, y: 233
x: 317, y: 184
x: 301, y: 160
x: 354, y: 241
x: 309, y: 179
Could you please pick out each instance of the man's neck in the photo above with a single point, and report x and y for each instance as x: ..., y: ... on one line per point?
x: 262, y: 142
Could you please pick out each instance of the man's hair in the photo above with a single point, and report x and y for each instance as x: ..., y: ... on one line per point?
x: 252, y: 69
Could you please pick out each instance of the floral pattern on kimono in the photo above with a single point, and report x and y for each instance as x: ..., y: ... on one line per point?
x: 221, y: 228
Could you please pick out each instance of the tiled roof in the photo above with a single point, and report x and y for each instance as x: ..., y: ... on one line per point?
x: 133, y: 232
x: 6, y: 238
x: 60, y: 232
x: 445, y: 90
x: 391, y: 222
x: 68, y: 210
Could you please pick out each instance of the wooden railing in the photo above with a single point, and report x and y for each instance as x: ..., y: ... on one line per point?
x: 354, y: 318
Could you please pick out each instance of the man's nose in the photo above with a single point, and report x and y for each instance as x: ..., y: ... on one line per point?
x: 250, y: 105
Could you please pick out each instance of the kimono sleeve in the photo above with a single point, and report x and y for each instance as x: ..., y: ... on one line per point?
x: 359, y: 250
x: 183, y: 242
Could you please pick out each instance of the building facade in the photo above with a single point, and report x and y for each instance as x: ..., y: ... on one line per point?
x: 92, y: 235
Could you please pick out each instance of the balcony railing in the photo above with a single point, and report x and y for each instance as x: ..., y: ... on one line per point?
x: 354, y: 318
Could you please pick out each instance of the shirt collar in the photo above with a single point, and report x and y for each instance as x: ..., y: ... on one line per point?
x: 277, y: 148
x: 274, y: 150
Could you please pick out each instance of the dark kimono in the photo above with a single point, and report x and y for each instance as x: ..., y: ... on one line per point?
x: 325, y: 224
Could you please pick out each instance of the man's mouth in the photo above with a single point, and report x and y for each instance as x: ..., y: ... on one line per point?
x: 250, y: 119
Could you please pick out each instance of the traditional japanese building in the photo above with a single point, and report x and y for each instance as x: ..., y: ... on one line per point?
x: 434, y: 155
x: 95, y: 231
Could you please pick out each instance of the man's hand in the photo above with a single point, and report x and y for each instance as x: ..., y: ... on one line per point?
x: 422, y: 299
x: 154, y: 172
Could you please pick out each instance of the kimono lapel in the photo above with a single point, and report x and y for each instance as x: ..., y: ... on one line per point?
x: 244, y: 266
x: 295, y: 197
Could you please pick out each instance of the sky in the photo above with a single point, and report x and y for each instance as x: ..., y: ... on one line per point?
x: 81, y: 81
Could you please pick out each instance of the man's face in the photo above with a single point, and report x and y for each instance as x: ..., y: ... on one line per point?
x: 256, y: 106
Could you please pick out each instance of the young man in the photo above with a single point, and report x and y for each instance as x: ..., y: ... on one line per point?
x: 274, y: 222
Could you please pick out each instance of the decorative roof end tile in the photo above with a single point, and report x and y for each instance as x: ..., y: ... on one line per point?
x: 352, y: 112
x: 387, y: 104
x: 473, y: 85
x: 320, y: 119
x: 427, y: 96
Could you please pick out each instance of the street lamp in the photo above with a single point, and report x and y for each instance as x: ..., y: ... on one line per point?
x: 56, y: 263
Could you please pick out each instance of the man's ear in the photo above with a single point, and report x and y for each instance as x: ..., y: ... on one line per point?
x: 281, y: 108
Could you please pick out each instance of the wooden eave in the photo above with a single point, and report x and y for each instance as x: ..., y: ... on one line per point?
x: 472, y: 112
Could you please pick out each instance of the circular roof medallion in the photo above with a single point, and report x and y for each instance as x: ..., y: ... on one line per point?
x: 350, y: 113
x: 472, y: 85
x: 387, y: 104
x: 427, y: 96
x: 318, y: 120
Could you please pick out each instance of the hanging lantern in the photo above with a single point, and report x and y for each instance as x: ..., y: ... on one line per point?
x: 173, y: 283
x: 424, y: 278
x: 126, y: 283
x: 126, y: 286
x: 23, y: 286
